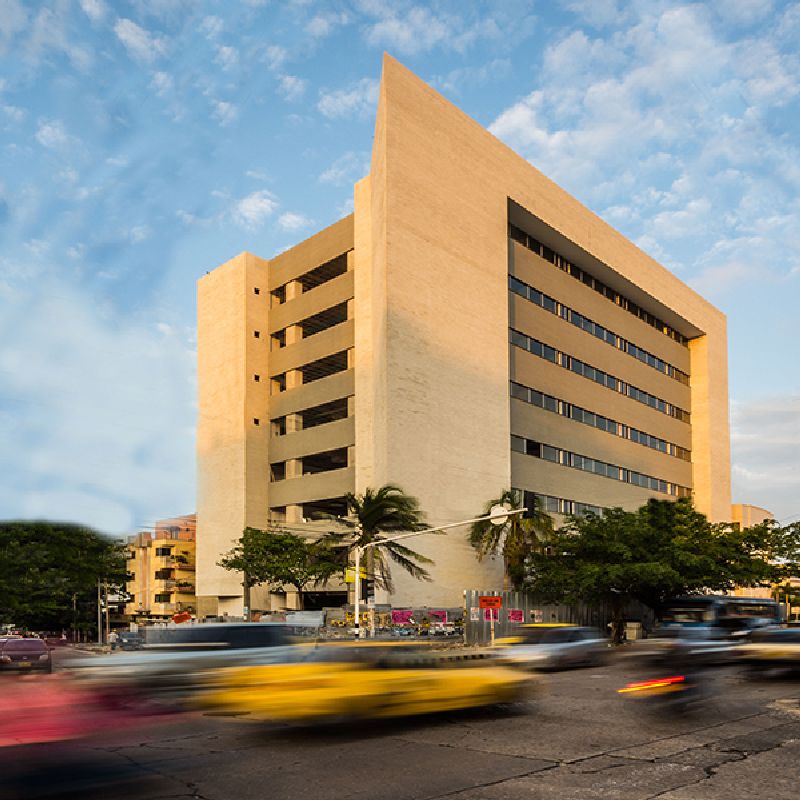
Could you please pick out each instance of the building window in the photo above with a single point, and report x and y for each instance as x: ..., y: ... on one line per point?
x: 557, y: 455
x: 277, y: 340
x: 256, y: 421
x: 324, y: 320
x: 256, y: 290
x: 257, y: 378
x: 595, y: 329
x: 163, y: 551
x: 257, y: 334
x: 553, y: 404
x: 163, y: 597
x: 322, y: 414
x: 324, y: 367
x: 520, y: 236
x: 324, y: 462
x: 277, y: 472
x: 542, y: 350
x: 324, y: 273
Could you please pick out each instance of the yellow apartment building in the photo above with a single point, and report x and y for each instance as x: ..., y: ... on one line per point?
x: 470, y: 327
x: 161, y: 566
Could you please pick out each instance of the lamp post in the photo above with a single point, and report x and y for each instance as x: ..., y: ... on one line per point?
x: 498, y: 516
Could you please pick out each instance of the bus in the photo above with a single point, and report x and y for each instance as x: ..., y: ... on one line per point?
x: 724, y: 612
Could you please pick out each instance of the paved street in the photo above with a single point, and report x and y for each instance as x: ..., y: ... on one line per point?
x: 578, y: 740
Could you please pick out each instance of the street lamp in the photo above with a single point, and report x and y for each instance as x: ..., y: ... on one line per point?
x: 498, y: 516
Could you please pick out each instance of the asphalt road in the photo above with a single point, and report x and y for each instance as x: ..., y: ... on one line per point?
x: 577, y: 739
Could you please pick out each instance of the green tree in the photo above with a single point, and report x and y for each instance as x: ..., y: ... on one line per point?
x: 281, y: 559
x: 516, y: 539
x: 379, y: 513
x: 49, y: 573
x: 663, y: 549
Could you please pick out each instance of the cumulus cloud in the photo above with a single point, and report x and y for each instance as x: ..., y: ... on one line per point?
x: 225, y: 112
x: 251, y: 211
x: 227, y: 57
x: 293, y: 222
x: 358, y: 99
x: 52, y: 134
x: 347, y: 169
x: 765, y: 439
x: 292, y: 87
x: 86, y: 437
x: 141, y: 44
x: 94, y: 9
x: 323, y: 25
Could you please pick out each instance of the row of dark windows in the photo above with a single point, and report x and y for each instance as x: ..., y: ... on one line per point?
x: 518, y: 235
x: 584, y: 323
x: 557, y: 505
x: 550, y: 403
x: 579, y: 367
x: 556, y: 455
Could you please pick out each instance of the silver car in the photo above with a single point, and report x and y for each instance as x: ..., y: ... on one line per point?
x: 555, y: 646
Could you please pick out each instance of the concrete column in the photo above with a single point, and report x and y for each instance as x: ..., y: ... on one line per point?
x: 294, y: 513
x: 294, y: 378
x: 294, y: 334
x: 294, y: 423
x: 293, y: 289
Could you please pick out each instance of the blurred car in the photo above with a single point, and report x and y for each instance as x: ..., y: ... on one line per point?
x: 554, y: 646
x: 359, y: 682
x: 772, y: 648
x: 175, y: 662
x: 25, y: 655
x: 130, y: 640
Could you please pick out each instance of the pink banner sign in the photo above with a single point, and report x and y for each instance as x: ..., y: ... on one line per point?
x: 488, y: 613
x: 402, y: 617
x: 438, y: 616
x: 516, y: 615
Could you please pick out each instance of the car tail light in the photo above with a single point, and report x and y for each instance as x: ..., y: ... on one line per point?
x: 655, y: 683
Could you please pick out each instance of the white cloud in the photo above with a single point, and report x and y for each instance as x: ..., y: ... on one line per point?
x: 293, y: 222
x: 14, y: 113
x: 251, y: 211
x: 212, y: 26
x: 227, y: 57
x: 765, y: 439
x: 89, y: 440
x: 94, y: 9
x: 52, y: 134
x: 276, y: 56
x: 359, y: 98
x: 292, y: 87
x: 225, y: 112
x: 347, y: 169
x: 161, y: 83
x: 141, y: 44
x: 417, y: 30
x: 13, y: 20
x: 324, y: 24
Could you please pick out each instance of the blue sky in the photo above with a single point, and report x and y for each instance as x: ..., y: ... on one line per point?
x: 143, y: 142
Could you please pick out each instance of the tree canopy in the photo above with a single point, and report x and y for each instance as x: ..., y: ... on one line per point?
x: 49, y: 573
x: 663, y: 549
x: 516, y: 539
x: 280, y: 559
x: 386, y: 510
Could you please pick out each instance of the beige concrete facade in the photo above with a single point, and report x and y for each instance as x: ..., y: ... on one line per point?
x: 745, y: 515
x: 161, y: 566
x: 428, y: 361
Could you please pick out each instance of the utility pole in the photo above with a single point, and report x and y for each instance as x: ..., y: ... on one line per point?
x: 99, y: 616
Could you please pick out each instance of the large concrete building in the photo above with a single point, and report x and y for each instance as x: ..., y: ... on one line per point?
x: 470, y: 327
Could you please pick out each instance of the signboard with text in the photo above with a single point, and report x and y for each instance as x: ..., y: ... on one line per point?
x: 490, y: 601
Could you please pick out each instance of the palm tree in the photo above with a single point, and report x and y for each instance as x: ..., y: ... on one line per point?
x: 384, y: 511
x: 516, y: 538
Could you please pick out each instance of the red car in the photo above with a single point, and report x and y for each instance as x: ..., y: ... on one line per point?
x: 25, y: 655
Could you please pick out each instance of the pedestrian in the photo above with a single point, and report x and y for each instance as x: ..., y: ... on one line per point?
x: 113, y: 638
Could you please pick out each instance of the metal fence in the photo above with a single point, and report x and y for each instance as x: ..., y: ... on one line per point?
x: 521, y: 608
